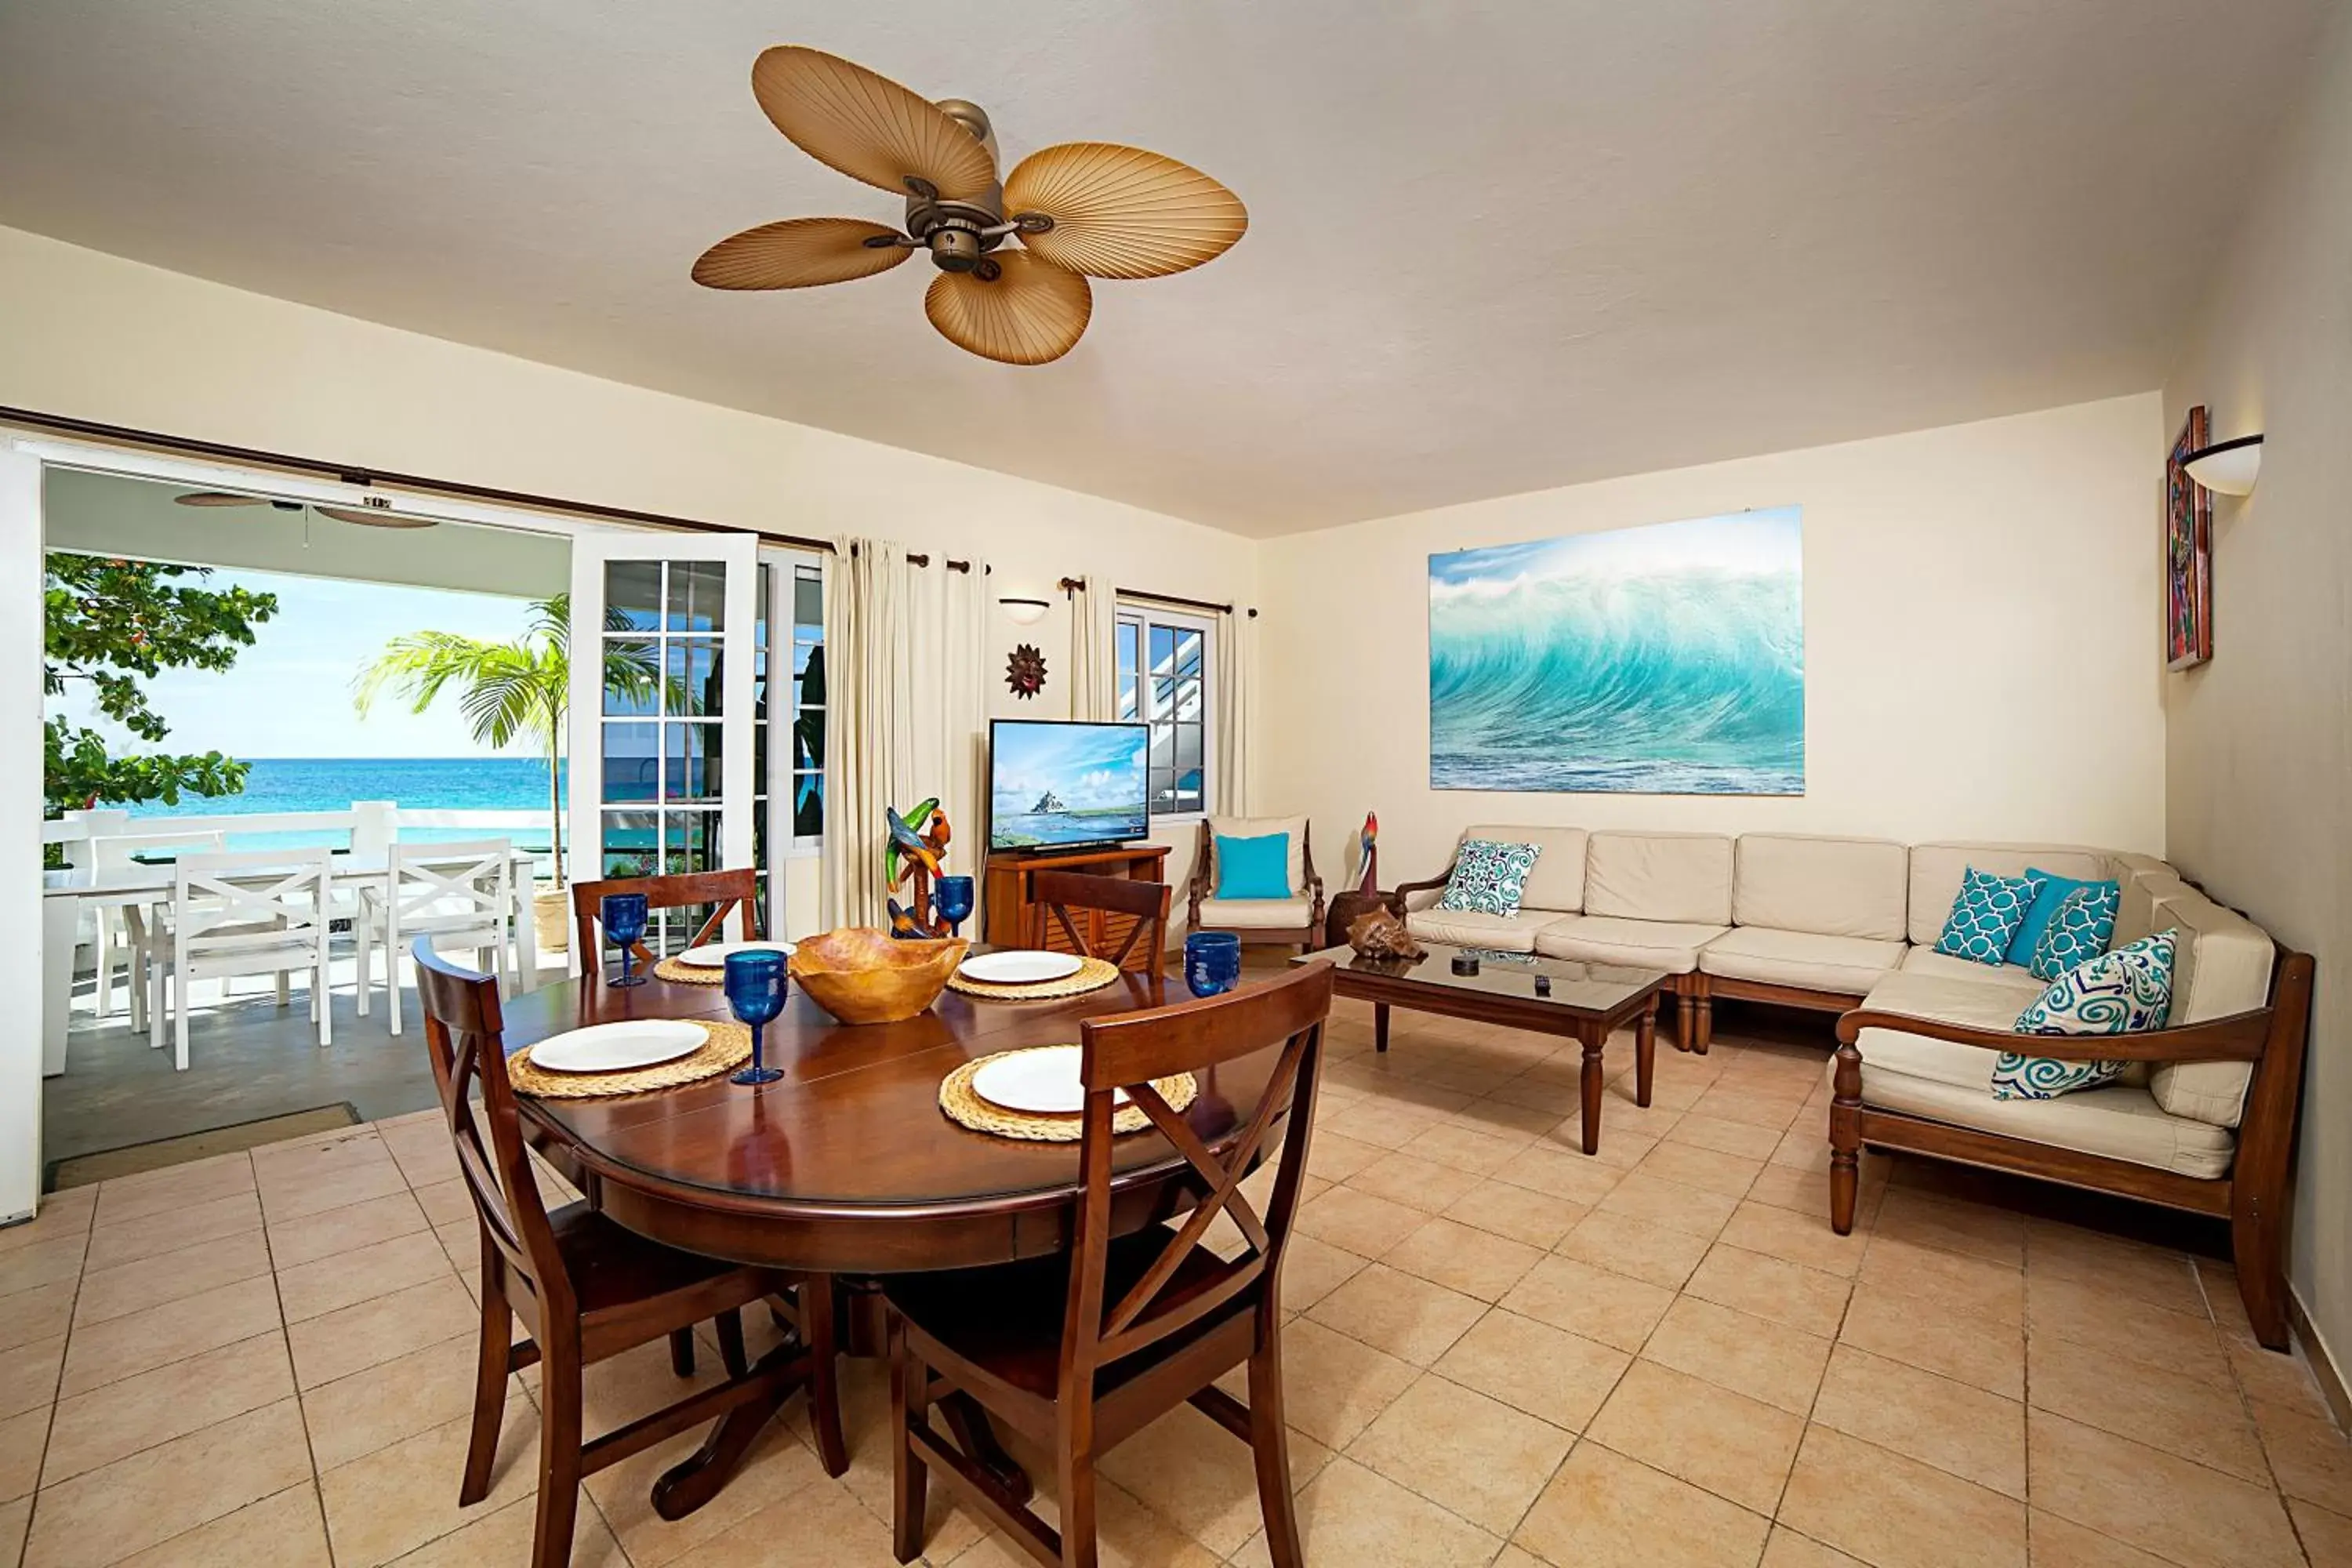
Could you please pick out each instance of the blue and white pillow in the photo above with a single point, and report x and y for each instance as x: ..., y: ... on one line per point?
x: 2125, y: 992
x: 1488, y: 878
x: 1986, y: 915
x: 2053, y: 893
x: 2078, y: 932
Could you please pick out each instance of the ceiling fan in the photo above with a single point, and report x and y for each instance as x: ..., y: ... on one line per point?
x: 365, y: 518
x: 1079, y: 209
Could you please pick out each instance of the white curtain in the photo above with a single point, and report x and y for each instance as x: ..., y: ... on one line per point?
x: 906, y: 711
x: 1234, y: 676
x: 1094, y: 658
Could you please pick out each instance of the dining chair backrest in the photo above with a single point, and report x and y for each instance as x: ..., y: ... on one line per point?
x: 466, y: 885
x: 465, y: 1036
x: 114, y: 851
x: 1127, y: 1052
x: 241, y: 899
x: 725, y: 890
x: 1055, y: 893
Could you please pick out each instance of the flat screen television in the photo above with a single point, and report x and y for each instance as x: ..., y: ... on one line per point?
x: 1057, y: 784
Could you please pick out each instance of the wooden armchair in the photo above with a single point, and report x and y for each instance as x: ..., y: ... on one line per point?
x: 1296, y: 920
x: 2250, y: 1196
x: 727, y: 890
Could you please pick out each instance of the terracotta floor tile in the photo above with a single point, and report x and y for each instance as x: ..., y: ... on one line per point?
x: 2326, y: 1536
x: 443, y: 1202
x: 42, y: 1313
x: 306, y: 1240
x: 1386, y: 1122
x: 1523, y: 1214
x: 1397, y: 1313
x: 1535, y: 1367
x: 1763, y: 1360
x: 1730, y: 1104
x: 1560, y: 1173
x: 346, y: 1278
x: 1647, y: 1196
x: 110, y: 1293
x: 357, y: 1337
x: 1896, y: 1512
x: 1634, y: 1247
x: 1764, y: 1287
x: 1479, y: 1456
x: 1972, y: 1285
x: 779, y: 1467
x: 505, y: 1537
x: 1313, y: 1268
x: 1200, y: 1479
x: 134, y: 1503
x: 424, y: 1153
x: 1787, y: 1549
x: 2146, y: 1498
x: 2056, y: 1542
x: 282, y: 1530
x: 1464, y: 1258
x: 396, y: 1399
x: 14, y: 1517
x: 1521, y: 1123
x: 1404, y: 1178
x: 23, y: 1437
x: 2310, y: 1455
x: 173, y: 1187
x: 1987, y: 1353
x: 1349, y: 1517
x: 49, y: 1262
x: 1795, y: 1238
x: 138, y: 1342
x: 1604, y: 1510
x: 1333, y: 1386
x: 2185, y: 1416
x: 2150, y: 1274
x: 397, y: 1498
x: 1980, y: 1230
x: 63, y: 1217
x: 1708, y: 1170
x: 171, y: 1231
x: 1799, y: 1191
x: 1466, y: 1148
x: 284, y: 1200
x: 1363, y: 1224
x: 1735, y: 1447
x: 122, y: 1418
x: 2127, y: 1328
x: 1740, y: 1139
x: 2268, y: 1377
x: 1976, y: 1435
x: 1592, y: 1302
x: 29, y: 1374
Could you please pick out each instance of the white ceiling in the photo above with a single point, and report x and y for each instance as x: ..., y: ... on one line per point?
x: 1494, y: 246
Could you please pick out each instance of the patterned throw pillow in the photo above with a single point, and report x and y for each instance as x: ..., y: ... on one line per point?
x: 1986, y: 915
x: 2120, y: 992
x: 1488, y: 878
x: 2053, y: 892
x: 2078, y: 932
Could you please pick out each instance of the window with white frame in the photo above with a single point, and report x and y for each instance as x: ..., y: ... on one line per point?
x: 1163, y: 681
x: 788, y: 758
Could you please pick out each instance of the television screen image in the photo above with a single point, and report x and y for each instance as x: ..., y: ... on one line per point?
x: 1060, y: 785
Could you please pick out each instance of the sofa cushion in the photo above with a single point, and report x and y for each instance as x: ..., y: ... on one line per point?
x: 2020, y: 983
x: 1680, y: 877
x: 1670, y: 945
x: 1469, y: 927
x: 1850, y: 965
x: 1254, y: 914
x: 1260, y: 826
x: 1985, y: 915
x: 1489, y: 877
x: 2221, y: 965
x: 1556, y: 881
x: 1834, y: 887
x: 2121, y: 1122
x: 1936, y: 871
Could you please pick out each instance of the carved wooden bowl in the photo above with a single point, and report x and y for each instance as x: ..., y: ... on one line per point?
x: 865, y: 977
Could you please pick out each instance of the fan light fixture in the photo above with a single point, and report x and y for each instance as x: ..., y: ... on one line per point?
x: 1079, y: 209
x: 1023, y: 612
x: 364, y: 517
x: 2227, y: 468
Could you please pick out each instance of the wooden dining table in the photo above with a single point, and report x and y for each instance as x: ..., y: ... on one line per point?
x: 847, y: 1165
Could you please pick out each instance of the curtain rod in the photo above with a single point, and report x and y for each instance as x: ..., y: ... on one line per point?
x: 926, y: 561
x: 358, y: 474
x: 1069, y: 584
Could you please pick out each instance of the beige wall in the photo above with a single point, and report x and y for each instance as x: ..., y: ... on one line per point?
x: 1982, y: 642
x: 97, y: 337
x: 2260, y: 740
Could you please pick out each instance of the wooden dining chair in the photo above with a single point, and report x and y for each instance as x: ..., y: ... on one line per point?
x: 585, y: 1287
x: 1083, y: 1350
x: 1139, y: 911
x: 727, y: 890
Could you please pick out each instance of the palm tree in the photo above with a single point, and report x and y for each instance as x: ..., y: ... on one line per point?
x: 509, y: 692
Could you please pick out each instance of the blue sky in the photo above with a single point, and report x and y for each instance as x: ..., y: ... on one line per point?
x: 289, y: 695
x: 1087, y: 767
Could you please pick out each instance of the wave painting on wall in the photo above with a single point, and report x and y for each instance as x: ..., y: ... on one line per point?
x: 1661, y: 660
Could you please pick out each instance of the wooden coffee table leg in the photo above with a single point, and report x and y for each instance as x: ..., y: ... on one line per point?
x: 1645, y: 1051
x: 1380, y: 1026
x: 1590, y: 1082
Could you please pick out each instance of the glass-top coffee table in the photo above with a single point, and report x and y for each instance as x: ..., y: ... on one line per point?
x: 1582, y: 1002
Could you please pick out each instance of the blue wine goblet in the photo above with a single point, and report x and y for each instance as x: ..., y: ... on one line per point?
x: 624, y: 922
x: 952, y: 901
x: 756, y: 984
x: 1212, y: 961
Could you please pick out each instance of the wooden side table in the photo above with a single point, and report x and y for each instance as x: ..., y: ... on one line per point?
x: 1347, y: 908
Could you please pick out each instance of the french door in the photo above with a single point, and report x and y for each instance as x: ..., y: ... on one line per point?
x: 663, y: 720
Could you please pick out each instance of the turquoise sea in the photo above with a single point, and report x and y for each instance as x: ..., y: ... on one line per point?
x: 332, y: 783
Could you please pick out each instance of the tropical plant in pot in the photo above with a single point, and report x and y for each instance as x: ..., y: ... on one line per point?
x: 516, y: 693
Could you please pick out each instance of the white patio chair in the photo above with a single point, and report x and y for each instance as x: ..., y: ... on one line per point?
x: 112, y: 854
x: 460, y: 892
x: 251, y: 911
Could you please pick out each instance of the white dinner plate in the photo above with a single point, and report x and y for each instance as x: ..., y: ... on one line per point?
x: 1043, y: 1082
x: 713, y: 955
x: 1022, y: 966
x: 617, y: 1047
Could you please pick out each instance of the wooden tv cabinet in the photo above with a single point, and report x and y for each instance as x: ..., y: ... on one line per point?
x: 1012, y: 902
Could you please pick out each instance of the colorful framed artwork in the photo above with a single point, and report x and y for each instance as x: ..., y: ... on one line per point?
x: 1668, y: 659
x: 2188, y: 552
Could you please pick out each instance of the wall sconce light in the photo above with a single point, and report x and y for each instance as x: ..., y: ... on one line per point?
x: 1025, y: 611
x: 2227, y: 466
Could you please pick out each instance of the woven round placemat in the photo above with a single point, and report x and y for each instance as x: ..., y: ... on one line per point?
x: 965, y: 1108
x: 681, y: 973
x: 1092, y: 975
x: 729, y: 1047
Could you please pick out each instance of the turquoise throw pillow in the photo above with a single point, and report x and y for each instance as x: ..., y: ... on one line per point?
x: 2125, y: 992
x: 2053, y: 892
x: 1254, y: 868
x: 1985, y: 914
x: 1488, y: 878
x: 2078, y: 932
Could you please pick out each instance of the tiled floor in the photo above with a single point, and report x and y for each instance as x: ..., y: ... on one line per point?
x: 1505, y: 1353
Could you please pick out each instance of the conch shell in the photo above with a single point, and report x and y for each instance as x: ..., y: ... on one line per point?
x: 1379, y: 934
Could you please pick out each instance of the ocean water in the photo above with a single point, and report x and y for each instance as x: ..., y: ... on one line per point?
x: 1679, y: 676
x: 332, y: 783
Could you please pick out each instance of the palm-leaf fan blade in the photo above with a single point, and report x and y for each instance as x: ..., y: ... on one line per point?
x: 1029, y: 312
x: 799, y: 253
x: 366, y: 519
x: 867, y: 126
x: 1122, y: 212
x: 219, y: 497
